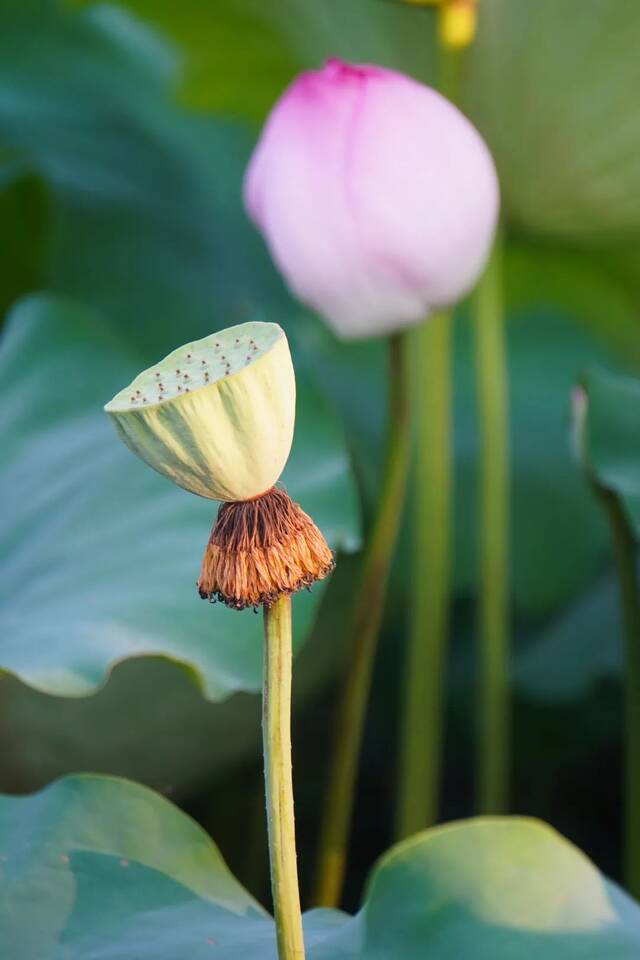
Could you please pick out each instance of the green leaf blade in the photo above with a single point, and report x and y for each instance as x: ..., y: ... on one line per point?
x: 611, y: 436
x: 103, y: 869
x: 103, y: 554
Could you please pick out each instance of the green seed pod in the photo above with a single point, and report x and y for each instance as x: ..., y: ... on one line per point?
x: 216, y: 416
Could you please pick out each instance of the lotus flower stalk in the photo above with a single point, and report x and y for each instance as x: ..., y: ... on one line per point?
x: 216, y: 417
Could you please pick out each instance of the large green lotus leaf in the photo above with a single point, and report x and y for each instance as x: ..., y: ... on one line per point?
x: 102, y: 869
x: 598, y: 288
x: 495, y: 889
x: 151, y: 723
x: 552, y: 86
x: 148, y: 221
x: 611, y: 436
x: 101, y: 554
x: 232, y: 60
x: 91, y: 838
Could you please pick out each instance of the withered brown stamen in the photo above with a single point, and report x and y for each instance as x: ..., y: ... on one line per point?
x: 260, y: 550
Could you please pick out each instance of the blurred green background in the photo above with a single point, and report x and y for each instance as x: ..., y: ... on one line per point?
x: 124, y: 132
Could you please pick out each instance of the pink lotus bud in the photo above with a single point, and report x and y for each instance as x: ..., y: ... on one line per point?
x: 377, y: 198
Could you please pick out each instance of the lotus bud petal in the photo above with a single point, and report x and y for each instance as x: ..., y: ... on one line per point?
x: 377, y: 198
x: 216, y: 416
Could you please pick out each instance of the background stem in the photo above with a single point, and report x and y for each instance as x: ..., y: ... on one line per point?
x: 492, y: 762
x: 276, y: 734
x: 421, y: 732
x: 365, y: 626
x: 625, y: 555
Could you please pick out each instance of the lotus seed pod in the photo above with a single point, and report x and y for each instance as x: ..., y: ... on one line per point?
x: 216, y: 416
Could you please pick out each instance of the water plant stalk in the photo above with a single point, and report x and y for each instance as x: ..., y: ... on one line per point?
x: 493, y: 744
x: 365, y: 626
x: 421, y: 724
x: 624, y: 547
x: 276, y: 734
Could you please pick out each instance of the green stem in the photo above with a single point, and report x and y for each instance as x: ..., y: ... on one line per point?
x: 450, y: 63
x: 421, y: 731
x: 365, y: 626
x: 276, y: 736
x: 493, y: 542
x: 625, y: 554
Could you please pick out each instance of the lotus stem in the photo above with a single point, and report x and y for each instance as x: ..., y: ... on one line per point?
x: 363, y: 636
x: 422, y: 722
x: 492, y: 761
x: 276, y: 733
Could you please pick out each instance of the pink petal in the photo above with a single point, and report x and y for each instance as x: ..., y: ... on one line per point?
x: 377, y: 198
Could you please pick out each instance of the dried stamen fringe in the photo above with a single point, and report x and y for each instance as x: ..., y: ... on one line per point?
x: 260, y: 550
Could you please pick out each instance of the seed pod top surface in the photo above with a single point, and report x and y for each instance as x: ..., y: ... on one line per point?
x: 216, y: 416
